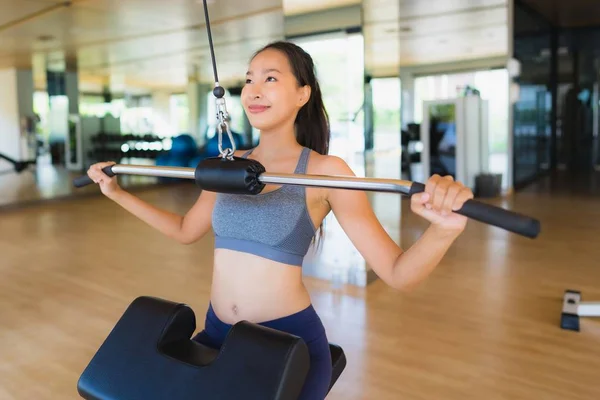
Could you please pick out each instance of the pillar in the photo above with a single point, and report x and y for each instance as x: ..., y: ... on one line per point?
x: 66, y: 140
x: 408, y: 97
x: 161, y: 114
x: 72, y: 91
x: 17, y: 126
x: 198, y: 105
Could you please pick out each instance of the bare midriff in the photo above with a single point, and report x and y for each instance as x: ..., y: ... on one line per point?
x: 255, y: 289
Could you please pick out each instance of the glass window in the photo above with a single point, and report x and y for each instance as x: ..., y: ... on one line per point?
x: 339, y: 62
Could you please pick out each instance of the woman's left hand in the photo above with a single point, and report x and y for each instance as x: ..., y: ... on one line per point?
x: 442, y: 195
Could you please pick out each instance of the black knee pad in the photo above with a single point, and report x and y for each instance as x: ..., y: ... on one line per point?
x: 149, y: 354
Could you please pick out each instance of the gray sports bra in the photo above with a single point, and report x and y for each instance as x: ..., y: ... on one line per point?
x: 275, y: 225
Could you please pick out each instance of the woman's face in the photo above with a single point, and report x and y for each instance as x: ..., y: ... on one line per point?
x: 271, y: 96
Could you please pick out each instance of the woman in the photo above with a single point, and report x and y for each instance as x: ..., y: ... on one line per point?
x: 261, y: 240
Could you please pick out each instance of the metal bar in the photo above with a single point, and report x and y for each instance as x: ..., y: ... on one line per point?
x: 482, y: 212
x: 148, y: 170
x: 330, y: 181
x: 342, y: 182
x: 588, y: 309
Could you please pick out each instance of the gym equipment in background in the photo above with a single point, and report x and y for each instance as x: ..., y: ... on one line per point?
x: 117, y: 146
x: 183, y: 149
x: 573, y: 308
x: 454, y: 137
x: 18, y: 166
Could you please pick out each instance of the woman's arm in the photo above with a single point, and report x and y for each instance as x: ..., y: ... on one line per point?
x: 185, y: 229
x: 402, y: 270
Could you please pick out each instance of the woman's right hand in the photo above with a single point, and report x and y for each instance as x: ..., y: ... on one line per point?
x: 108, y: 185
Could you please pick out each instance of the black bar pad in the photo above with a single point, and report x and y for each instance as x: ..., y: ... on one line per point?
x: 149, y: 355
x: 492, y: 215
x: 85, y: 180
x: 237, y: 176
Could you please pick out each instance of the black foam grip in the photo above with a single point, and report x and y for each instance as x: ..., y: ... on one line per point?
x: 149, y: 355
x: 492, y: 215
x: 237, y: 176
x: 85, y: 180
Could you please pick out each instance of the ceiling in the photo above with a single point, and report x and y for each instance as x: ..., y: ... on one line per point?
x: 402, y: 33
x: 567, y: 14
x: 155, y: 44
x: 295, y: 7
x: 161, y: 44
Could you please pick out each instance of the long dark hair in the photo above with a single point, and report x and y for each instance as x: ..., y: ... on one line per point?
x: 312, y: 121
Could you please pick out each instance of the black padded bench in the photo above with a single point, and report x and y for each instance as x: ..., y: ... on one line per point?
x: 149, y: 354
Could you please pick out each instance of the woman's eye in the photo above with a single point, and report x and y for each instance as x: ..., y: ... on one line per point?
x: 248, y: 81
x: 271, y: 79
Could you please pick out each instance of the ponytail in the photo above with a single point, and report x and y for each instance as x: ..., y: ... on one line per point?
x: 312, y: 123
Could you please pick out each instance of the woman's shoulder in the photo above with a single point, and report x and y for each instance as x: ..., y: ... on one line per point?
x: 325, y: 164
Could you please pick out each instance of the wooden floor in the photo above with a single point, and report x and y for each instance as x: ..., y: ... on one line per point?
x: 484, y: 326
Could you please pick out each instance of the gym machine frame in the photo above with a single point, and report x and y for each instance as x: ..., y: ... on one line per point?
x: 19, y: 166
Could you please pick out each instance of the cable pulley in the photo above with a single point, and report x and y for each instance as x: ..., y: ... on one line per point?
x: 219, y: 93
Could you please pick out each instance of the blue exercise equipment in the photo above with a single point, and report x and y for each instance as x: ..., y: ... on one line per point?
x: 185, y: 152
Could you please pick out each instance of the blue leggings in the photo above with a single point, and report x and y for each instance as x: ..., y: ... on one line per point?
x: 305, y: 324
